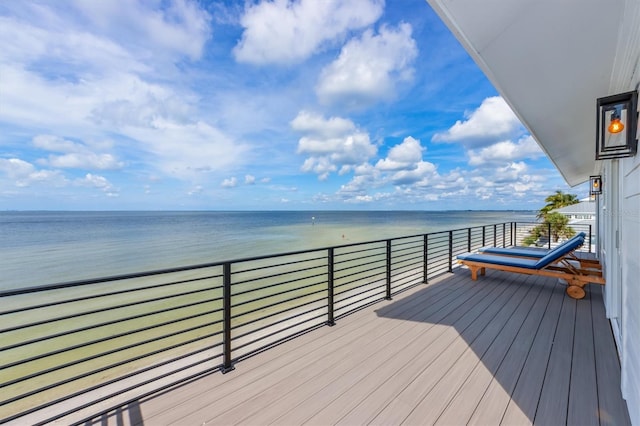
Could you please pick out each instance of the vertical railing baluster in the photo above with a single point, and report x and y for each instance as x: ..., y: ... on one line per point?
x: 388, y: 296
x: 549, y: 231
x: 484, y: 235
x: 226, y: 322
x: 495, y: 236
x: 514, y: 234
x: 504, y: 234
x: 469, y: 239
x: 425, y: 259
x: 589, y: 238
x: 330, y: 320
x: 450, y: 251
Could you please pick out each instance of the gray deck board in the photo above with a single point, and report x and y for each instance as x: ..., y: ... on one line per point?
x: 501, y: 349
x: 430, y: 410
x: 404, y: 390
x: 583, y: 394
x: 554, y: 398
x: 523, y: 400
x: 607, y: 367
x: 380, y: 385
x: 420, y: 344
x: 499, y: 383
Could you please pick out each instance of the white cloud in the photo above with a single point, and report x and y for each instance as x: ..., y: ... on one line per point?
x: 420, y: 174
x: 195, y: 190
x: 230, y: 182
x: 402, y: 169
x: 16, y: 168
x: 249, y: 180
x: 100, y: 182
x: 417, y: 181
x: 402, y: 156
x: 85, y: 73
x: 77, y: 156
x: 505, y: 151
x: 180, y: 28
x: 306, y: 122
x: 491, y: 122
x: 405, y: 165
x: 84, y: 161
x: 510, y: 173
x: 289, y: 31
x: 25, y: 174
x: 369, y: 68
x: 333, y: 144
x: 127, y: 100
x: 63, y: 45
x: 187, y: 151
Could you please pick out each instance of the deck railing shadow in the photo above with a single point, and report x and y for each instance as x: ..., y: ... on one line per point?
x: 70, y: 350
x: 511, y: 349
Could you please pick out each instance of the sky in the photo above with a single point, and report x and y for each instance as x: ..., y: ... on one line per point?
x: 256, y: 105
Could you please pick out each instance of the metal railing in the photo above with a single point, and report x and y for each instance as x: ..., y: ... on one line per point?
x: 87, y: 346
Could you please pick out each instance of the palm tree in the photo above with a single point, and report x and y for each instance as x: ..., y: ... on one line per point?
x: 556, y: 201
x: 556, y: 222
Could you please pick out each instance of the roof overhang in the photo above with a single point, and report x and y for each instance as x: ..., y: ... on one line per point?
x: 550, y: 60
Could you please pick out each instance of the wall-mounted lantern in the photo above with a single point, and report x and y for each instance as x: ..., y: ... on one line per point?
x: 595, y: 187
x: 617, y: 126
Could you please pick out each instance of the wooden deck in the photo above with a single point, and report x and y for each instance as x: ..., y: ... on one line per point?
x: 506, y: 349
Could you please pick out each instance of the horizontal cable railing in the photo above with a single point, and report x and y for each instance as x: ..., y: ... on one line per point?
x: 72, y: 347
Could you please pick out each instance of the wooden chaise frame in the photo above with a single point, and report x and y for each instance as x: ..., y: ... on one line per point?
x: 577, y: 277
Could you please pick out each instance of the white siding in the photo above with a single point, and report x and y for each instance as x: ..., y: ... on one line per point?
x: 630, y: 238
x: 625, y: 77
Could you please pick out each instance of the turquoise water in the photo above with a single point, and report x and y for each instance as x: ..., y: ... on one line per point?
x: 40, y: 248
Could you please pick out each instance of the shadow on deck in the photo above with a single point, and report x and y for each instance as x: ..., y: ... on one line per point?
x: 506, y: 349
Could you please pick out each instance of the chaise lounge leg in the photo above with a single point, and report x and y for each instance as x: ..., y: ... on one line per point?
x: 575, y: 289
x: 474, y: 272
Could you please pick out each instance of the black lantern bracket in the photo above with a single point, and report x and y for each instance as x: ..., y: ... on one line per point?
x: 617, y: 126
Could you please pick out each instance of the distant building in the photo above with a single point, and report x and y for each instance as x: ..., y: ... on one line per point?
x: 583, y: 213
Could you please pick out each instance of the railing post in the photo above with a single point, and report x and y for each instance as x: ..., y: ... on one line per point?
x: 226, y: 321
x: 425, y: 261
x: 469, y: 239
x: 514, y: 234
x: 589, y: 238
x: 504, y: 234
x: 450, y: 251
x: 484, y: 234
x: 549, y: 231
x: 330, y: 321
x: 388, y: 296
x: 495, y: 236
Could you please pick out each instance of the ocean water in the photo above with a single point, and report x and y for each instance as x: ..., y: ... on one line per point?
x: 38, y: 248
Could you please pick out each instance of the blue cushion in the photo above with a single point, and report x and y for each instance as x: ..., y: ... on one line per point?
x: 559, y: 251
x: 499, y: 260
x: 529, y: 252
x: 515, y: 251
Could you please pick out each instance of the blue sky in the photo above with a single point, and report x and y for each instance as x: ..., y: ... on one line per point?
x: 259, y: 105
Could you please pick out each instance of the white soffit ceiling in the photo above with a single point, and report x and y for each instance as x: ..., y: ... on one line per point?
x: 550, y: 60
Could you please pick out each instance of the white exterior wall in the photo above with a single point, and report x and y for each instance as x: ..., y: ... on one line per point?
x: 620, y: 208
x: 630, y: 253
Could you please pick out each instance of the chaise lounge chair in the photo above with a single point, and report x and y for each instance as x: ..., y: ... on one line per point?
x: 557, y: 263
x: 538, y: 253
